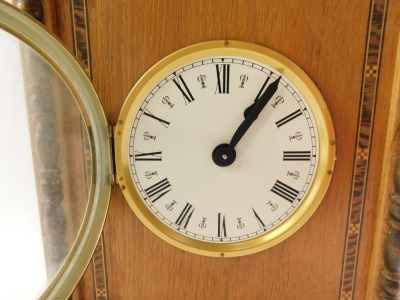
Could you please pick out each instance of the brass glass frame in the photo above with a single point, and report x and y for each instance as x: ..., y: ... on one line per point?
x: 43, y: 42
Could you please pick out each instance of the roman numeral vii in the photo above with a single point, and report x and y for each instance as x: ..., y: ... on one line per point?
x: 185, y: 215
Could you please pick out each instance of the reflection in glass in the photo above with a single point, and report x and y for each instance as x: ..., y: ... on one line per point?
x: 45, y: 171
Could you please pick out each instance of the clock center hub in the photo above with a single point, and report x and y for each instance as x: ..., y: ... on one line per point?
x: 224, y: 155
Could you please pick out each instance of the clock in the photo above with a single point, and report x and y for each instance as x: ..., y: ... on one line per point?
x: 224, y: 148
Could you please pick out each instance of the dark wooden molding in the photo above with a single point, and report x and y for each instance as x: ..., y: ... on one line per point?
x: 368, y: 99
x: 31, y: 7
x: 81, y: 49
x: 390, y: 282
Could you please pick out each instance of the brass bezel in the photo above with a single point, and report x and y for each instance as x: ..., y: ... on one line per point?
x: 35, y: 35
x: 254, y: 52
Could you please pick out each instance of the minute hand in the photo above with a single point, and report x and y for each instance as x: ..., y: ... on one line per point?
x: 253, y: 115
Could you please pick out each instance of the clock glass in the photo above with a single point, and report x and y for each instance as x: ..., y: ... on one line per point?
x: 222, y: 147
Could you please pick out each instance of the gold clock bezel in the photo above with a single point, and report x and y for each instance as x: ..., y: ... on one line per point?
x: 249, y: 51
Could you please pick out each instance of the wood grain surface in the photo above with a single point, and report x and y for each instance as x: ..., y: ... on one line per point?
x: 330, y: 41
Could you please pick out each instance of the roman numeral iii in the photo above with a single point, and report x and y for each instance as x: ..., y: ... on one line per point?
x: 296, y: 155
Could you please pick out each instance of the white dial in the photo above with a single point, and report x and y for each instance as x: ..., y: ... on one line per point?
x: 199, y: 106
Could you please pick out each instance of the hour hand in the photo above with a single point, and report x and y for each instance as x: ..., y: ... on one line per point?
x: 249, y: 109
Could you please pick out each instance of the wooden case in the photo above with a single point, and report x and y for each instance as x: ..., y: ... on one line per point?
x: 350, y: 50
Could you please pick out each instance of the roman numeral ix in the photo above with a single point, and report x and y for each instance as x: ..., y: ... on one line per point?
x: 150, y: 156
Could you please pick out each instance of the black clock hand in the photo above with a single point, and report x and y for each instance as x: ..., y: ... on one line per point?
x: 225, y: 154
x: 257, y: 107
x: 249, y: 109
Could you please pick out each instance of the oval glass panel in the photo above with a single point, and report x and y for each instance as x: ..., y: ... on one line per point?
x: 54, y: 158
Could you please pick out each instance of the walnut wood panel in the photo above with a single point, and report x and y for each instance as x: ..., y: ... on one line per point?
x: 335, y: 44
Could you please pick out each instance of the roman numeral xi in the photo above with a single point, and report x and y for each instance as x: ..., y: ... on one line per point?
x: 182, y: 86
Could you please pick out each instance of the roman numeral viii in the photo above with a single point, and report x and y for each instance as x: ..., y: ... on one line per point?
x: 182, y: 86
x: 156, y: 191
x: 283, y: 190
x: 185, y: 215
x: 223, y: 73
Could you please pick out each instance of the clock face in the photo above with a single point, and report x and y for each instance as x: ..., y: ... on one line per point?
x: 219, y: 203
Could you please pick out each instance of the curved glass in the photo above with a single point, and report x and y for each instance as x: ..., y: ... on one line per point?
x: 54, y: 158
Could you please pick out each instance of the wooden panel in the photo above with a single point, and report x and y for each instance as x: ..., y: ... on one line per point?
x: 345, y: 47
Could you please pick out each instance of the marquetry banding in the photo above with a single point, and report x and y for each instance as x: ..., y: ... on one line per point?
x: 368, y: 98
